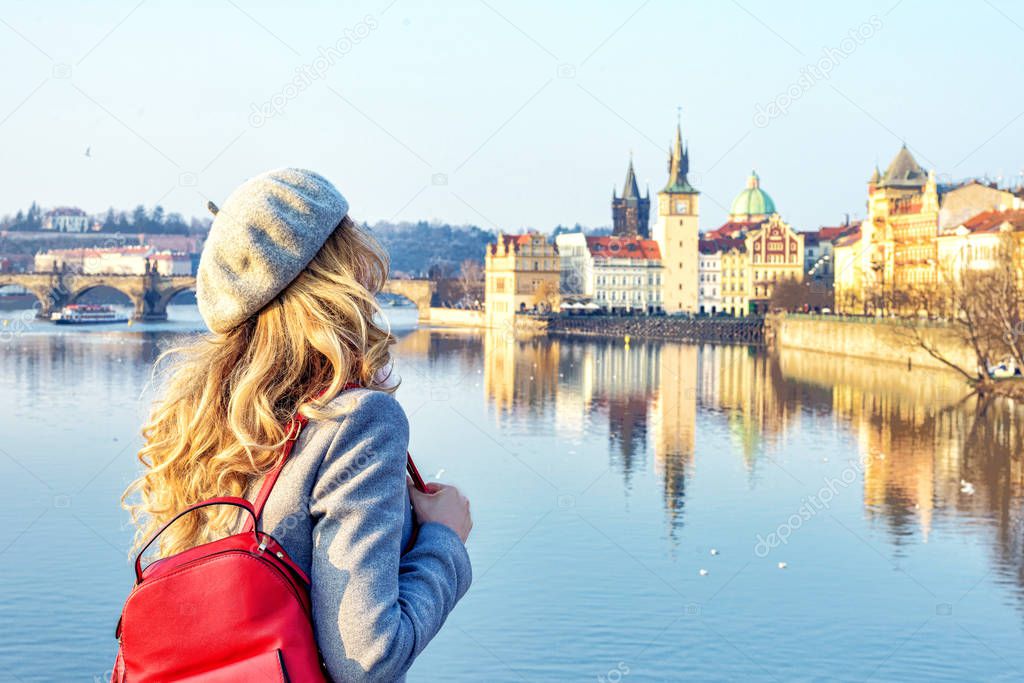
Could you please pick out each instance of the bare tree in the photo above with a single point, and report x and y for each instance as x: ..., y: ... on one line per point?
x: 545, y: 294
x: 790, y: 294
x: 983, y: 305
x: 471, y: 281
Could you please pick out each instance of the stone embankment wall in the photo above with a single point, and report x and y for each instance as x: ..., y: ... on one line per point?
x: 872, y: 338
x: 725, y: 330
x: 455, y: 317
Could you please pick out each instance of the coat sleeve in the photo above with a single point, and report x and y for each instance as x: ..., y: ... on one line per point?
x: 375, y: 610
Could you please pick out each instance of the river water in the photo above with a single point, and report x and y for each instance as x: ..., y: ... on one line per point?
x: 643, y: 512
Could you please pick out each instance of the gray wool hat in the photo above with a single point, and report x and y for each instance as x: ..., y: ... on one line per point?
x: 264, y: 235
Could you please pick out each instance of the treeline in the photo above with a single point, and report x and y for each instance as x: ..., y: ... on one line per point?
x: 418, y: 249
x: 140, y: 219
x: 153, y: 221
x: 30, y: 220
x: 440, y: 250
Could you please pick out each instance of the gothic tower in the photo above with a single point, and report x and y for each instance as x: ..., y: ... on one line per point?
x: 631, y: 212
x: 676, y: 233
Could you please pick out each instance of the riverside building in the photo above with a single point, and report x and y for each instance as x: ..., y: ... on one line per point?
x: 621, y: 275
x: 895, y: 252
x: 133, y: 260
x: 521, y: 275
x: 757, y: 250
x: 676, y: 231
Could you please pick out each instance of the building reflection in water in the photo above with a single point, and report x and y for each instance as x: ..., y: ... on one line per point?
x: 644, y: 392
x: 920, y: 441
x: 930, y: 457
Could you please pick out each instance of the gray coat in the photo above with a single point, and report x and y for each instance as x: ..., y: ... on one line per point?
x: 341, y: 510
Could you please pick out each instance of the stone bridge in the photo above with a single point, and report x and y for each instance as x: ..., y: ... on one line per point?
x: 151, y: 293
x: 148, y: 293
x: 420, y: 292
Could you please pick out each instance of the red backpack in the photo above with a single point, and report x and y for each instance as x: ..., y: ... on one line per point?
x: 234, y: 609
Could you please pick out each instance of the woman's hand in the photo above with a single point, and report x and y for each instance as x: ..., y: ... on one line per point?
x: 443, y: 504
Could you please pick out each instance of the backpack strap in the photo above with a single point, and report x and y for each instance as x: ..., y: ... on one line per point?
x: 295, y: 427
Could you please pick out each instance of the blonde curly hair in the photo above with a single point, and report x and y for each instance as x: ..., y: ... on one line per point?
x: 227, y: 398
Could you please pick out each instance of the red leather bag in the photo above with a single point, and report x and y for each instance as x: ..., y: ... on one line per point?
x: 235, y: 609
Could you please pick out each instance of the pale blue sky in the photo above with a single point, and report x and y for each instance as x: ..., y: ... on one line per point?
x: 528, y: 109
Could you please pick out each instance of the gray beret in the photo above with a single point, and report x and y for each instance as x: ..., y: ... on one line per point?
x: 267, y: 231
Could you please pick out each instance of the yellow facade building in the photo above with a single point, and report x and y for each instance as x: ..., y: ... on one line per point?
x: 775, y: 253
x: 979, y: 243
x: 521, y: 275
x: 676, y: 232
x: 735, y: 280
x: 856, y: 277
x: 758, y: 251
x: 896, y: 252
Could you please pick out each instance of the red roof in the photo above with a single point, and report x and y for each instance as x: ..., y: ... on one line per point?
x: 130, y: 250
x: 518, y: 239
x: 829, y: 233
x: 851, y: 237
x: 715, y: 245
x: 623, y: 247
x: 733, y: 228
x: 66, y: 211
x: 513, y: 242
x: 989, y: 221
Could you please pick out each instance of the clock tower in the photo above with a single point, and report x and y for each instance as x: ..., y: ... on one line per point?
x: 676, y: 233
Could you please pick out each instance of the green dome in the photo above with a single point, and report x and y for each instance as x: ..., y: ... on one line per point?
x: 752, y: 201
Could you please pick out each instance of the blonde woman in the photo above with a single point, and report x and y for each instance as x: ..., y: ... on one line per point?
x: 286, y: 284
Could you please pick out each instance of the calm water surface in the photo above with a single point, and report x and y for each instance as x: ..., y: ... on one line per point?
x: 603, y: 477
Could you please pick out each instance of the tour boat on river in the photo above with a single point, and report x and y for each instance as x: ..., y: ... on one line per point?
x: 87, y: 314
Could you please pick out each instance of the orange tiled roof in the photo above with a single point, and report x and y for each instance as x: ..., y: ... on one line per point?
x: 830, y: 233
x: 715, y: 245
x: 623, y: 247
x: 733, y: 228
x: 92, y: 252
x: 851, y: 237
x: 513, y: 242
x: 989, y: 221
x: 517, y: 239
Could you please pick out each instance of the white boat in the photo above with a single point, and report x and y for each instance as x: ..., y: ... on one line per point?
x: 87, y: 314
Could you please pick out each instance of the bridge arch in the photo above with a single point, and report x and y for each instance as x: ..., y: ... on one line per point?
x: 420, y: 292
x: 45, y: 288
x: 168, y: 293
x: 151, y: 293
x: 131, y: 287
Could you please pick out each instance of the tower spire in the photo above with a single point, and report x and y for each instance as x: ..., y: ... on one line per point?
x: 629, y: 187
x: 631, y: 212
x: 679, y: 163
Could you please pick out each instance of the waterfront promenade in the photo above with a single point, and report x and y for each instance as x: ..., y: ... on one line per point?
x: 722, y: 330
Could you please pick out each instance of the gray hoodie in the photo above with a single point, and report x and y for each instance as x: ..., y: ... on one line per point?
x: 341, y: 510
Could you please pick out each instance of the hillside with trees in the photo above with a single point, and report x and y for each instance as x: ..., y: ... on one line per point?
x: 155, y: 221
x: 140, y: 219
x: 421, y: 248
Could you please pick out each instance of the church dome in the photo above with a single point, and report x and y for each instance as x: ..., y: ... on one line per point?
x: 753, y: 201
